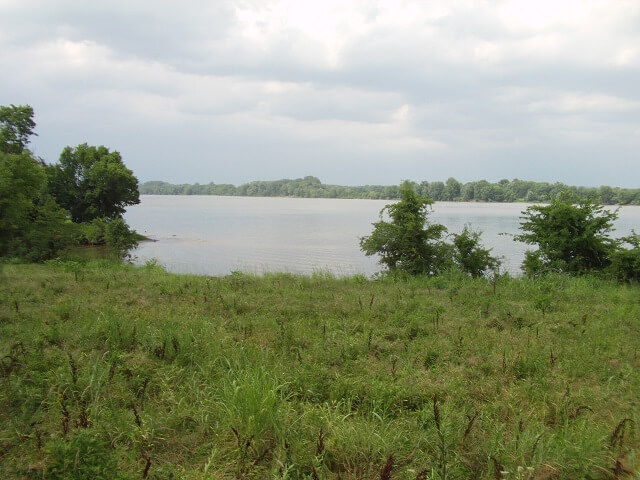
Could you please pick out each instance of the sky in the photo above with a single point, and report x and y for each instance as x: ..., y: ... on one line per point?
x: 353, y: 92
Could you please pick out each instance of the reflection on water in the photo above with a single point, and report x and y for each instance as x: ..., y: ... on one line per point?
x: 217, y: 235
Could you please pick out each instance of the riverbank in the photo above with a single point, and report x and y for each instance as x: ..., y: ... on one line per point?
x: 142, y: 373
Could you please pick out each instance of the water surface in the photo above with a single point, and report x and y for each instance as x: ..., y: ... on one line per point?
x: 216, y: 235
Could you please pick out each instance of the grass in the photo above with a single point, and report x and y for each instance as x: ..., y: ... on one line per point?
x: 112, y: 371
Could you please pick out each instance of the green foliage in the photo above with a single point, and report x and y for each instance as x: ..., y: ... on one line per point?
x: 21, y: 183
x: 408, y: 243
x: 32, y: 225
x: 92, y: 182
x: 571, y: 234
x: 119, y: 237
x: 92, y: 233
x: 625, y: 262
x: 82, y: 457
x: 469, y: 254
x: 49, y: 233
x: 16, y: 126
x: 452, y: 189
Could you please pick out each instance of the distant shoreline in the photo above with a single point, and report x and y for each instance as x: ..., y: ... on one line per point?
x: 482, y: 191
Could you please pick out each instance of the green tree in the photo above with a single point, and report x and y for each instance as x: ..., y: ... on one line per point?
x: 468, y: 191
x: 92, y: 182
x: 21, y: 181
x: 482, y: 191
x: 436, y: 191
x: 32, y: 225
x: 571, y: 234
x: 607, y: 195
x: 452, y: 189
x: 408, y: 242
x: 470, y: 255
x: 16, y: 126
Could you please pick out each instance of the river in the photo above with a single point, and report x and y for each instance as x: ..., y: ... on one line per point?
x: 216, y: 235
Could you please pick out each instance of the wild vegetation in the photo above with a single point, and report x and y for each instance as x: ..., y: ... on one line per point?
x: 46, y: 208
x: 452, y: 190
x: 111, y: 371
x: 409, y: 243
x: 572, y: 236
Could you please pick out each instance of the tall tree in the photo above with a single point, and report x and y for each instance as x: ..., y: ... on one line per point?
x: 92, y: 182
x: 16, y: 126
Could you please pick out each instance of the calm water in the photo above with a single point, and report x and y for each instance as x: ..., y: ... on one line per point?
x: 217, y: 235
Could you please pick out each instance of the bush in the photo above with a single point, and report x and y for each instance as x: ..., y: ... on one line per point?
x: 92, y: 233
x: 119, y: 237
x: 571, y: 234
x: 408, y: 243
x: 470, y: 255
x: 625, y: 262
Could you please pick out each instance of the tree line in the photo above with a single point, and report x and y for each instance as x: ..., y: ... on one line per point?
x: 452, y: 190
x: 47, y: 208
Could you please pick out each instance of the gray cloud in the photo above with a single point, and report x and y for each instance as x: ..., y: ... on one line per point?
x: 353, y: 92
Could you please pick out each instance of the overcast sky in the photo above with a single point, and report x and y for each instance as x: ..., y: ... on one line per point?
x: 354, y: 92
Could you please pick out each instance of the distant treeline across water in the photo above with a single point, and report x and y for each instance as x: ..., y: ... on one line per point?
x: 452, y: 190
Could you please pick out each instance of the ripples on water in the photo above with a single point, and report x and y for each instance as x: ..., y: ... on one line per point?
x: 217, y: 235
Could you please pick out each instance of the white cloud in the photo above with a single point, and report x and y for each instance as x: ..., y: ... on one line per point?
x: 572, y: 102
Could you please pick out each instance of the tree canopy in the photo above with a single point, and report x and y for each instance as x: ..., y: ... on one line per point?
x: 46, y: 208
x: 571, y: 233
x: 16, y: 126
x: 92, y: 182
x: 32, y: 225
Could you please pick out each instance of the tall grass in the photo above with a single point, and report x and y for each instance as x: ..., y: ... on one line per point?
x: 112, y: 371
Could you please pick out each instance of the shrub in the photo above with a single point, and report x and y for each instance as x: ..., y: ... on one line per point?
x: 625, y: 262
x: 119, y: 237
x: 470, y: 255
x: 92, y: 233
x: 408, y: 243
x: 571, y: 234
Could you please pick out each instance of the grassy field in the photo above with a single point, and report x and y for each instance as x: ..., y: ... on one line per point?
x: 113, y: 371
